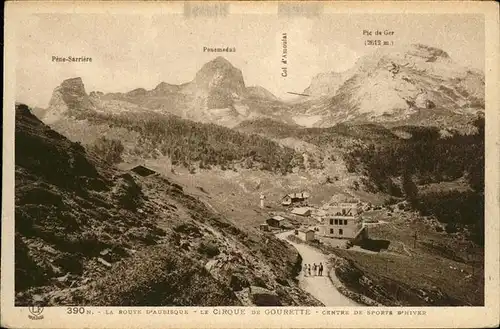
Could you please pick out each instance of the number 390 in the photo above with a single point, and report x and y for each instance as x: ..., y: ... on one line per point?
x: 75, y: 310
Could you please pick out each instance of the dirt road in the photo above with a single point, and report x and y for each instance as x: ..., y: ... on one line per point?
x: 319, y: 286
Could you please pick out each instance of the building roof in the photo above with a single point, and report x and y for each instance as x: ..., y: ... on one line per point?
x: 142, y: 170
x: 278, y: 218
x: 305, y: 230
x: 348, y: 205
x: 299, y: 195
x: 300, y: 211
x: 348, y: 217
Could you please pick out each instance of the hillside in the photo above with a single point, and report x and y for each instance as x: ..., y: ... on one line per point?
x: 186, y: 143
x: 439, y: 175
x: 147, y: 132
x: 415, y: 85
x: 317, y: 136
x: 89, y: 234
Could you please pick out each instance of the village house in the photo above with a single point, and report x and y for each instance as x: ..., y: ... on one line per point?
x: 264, y: 227
x: 302, y: 211
x: 294, y: 198
x: 142, y: 170
x: 275, y: 221
x: 305, y: 234
x: 342, y: 222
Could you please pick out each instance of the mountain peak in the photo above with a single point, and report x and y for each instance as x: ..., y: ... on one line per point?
x: 77, y: 80
x: 220, y: 60
x: 428, y: 52
x: 417, y: 52
x: 70, y: 94
x: 260, y: 92
x: 70, y: 91
x: 74, y: 84
x: 218, y: 64
x: 404, y: 83
x: 221, y: 80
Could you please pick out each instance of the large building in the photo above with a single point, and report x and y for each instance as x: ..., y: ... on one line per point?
x: 343, y: 221
x: 346, y: 209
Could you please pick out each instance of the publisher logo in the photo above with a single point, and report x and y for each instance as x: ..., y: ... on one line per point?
x: 36, y: 312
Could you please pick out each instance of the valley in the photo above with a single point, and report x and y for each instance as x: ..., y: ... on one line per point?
x: 132, y: 229
x: 400, y: 133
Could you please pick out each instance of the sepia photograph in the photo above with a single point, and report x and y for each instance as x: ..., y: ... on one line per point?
x: 296, y: 159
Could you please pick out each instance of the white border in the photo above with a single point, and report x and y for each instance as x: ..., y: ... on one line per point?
x: 446, y: 317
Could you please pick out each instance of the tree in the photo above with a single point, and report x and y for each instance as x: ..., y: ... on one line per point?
x: 356, y: 185
x: 476, y: 168
x: 390, y: 187
x: 110, y: 150
x: 409, y: 188
x: 248, y: 163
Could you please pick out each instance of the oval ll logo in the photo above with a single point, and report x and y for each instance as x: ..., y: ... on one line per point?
x: 36, y: 310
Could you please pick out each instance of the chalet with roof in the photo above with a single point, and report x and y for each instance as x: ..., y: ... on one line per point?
x: 264, y: 227
x: 302, y: 211
x: 143, y: 171
x: 294, y: 198
x: 305, y: 234
x: 275, y: 221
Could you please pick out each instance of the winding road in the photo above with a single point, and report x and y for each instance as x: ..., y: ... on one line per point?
x: 319, y: 286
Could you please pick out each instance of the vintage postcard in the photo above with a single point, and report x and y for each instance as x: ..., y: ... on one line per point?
x: 250, y: 165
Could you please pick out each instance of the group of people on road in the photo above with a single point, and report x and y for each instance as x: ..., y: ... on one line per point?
x: 317, y: 269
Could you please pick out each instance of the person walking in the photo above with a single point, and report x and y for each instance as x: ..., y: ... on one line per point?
x: 305, y: 269
x: 315, y: 269
x: 309, y: 269
x: 321, y: 269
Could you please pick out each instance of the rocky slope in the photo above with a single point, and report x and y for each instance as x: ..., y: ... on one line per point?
x: 217, y: 94
x: 89, y: 234
x: 415, y: 84
x: 439, y: 269
x: 407, y: 85
x: 68, y: 96
x: 325, y: 84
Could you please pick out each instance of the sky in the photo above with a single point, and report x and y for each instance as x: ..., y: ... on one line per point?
x: 130, y: 51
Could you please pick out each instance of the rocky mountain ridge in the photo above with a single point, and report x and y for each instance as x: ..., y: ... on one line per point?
x: 217, y: 94
x: 408, y: 85
x: 414, y: 84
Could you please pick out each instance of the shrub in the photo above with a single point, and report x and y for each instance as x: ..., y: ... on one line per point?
x: 294, y: 238
x: 409, y: 188
x: 451, y: 228
x: 186, y: 142
x: 109, y: 149
x: 27, y: 272
x: 355, y: 185
x: 160, y: 276
x: 209, y: 248
x: 390, y: 202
